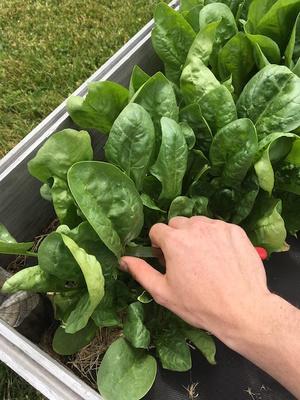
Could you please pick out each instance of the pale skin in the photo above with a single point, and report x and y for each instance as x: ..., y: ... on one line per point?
x: 215, y: 280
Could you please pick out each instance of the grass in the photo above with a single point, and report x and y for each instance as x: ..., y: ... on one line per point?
x: 47, y: 49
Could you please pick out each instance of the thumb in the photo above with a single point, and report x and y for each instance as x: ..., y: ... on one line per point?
x: 152, y: 281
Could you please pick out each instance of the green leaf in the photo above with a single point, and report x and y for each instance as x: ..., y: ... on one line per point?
x: 126, y: 373
x: 138, y: 78
x: 94, y: 279
x: 189, y: 135
x: 257, y: 10
x: 181, y: 206
x: 246, y: 197
x: 8, y: 244
x: 99, y: 109
x: 287, y: 178
x: 67, y: 344
x: 55, y: 259
x: 271, y: 99
x: 265, y: 226
x: 233, y: 151
x: 33, y: 279
x: 273, y: 148
x: 173, y: 351
x: 145, y: 298
x: 65, y: 302
x: 109, y: 201
x: 236, y: 60
x: 199, y: 85
x: 267, y: 46
x: 290, y: 213
x: 192, y: 16
x: 52, y: 162
x: 131, y: 142
x: 63, y: 202
x: 172, y: 37
x: 277, y: 20
x: 226, y: 28
x: 292, y: 52
x: 187, y: 5
x: 294, y: 155
x: 150, y: 203
x: 134, y: 329
x: 203, y: 44
x: 197, y: 162
x: 158, y: 98
x: 192, y: 115
x: 105, y: 314
x: 204, y: 342
x: 232, y: 4
x: 171, y: 163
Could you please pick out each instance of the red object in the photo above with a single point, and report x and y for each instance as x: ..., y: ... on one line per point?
x: 263, y: 254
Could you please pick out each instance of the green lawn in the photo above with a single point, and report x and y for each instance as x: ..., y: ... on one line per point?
x: 47, y: 49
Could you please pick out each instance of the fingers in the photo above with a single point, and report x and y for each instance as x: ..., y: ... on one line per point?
x: 178, y: 222
x: 151, y: 280
x: 158, y: 235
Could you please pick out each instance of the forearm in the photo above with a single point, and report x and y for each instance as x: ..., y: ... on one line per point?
x: 270, y: 338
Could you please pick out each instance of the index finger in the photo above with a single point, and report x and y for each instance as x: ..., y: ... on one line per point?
x: 159, y: 234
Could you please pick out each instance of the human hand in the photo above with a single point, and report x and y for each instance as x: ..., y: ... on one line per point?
x: 214, y: 277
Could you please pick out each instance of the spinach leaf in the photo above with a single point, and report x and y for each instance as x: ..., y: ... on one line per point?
x: 64, y: 303
x: 197, y: 162
x: 33, y: 279
x: 292, y: 52
x: 294, y: 155
x: 226, y: 28
x: 192, y: 16
x: 273, y: 148
x: 94, y: 279
x: 105, y: 314
x: 267, y: 46
x: 232, y: 4
x: 245, y: 198
x: 187, y: 5
x: 126, y: 373
x: 290, y: 213
x: 109, y: 201
x: 199, y: 85
x: 288, y: 178
x: 204, y: 342
x: 173, y: 351
x: 8, y: 245
x: 172, y: 37
x: 138, y: 78
x: 171, y: 163
x: 276, y: 20
x: 131, y: 143
x: 189, y: 135
x: 187, y: 207
x: 257, y: 10
x: 134, y: 329
x: 150, y: 203
x: 233, y: 151
x: 52, y: 162
x: 67, y: 344
x: 236, y: 60
x: 99, y: 109
x: 265, y: 225
x: 192, y: 115
x: 271, y: 99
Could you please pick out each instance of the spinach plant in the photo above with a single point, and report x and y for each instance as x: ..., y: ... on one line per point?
x: 215, y: 135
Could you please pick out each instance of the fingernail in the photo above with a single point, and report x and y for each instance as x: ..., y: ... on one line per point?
x: 123, y: 265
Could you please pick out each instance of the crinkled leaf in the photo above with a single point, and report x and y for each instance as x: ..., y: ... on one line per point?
x: 109, y: 201
x: 236, y: 60
x: 271, y: 99
x: 67, y: 344
x: 101, y: 106
x: 172, y: 37
x: 233, y: 151
x: 94, y: 279
x: 126, y: 373
x: 131, y: 142
x: 171, y: 163
x: 199, y: 85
